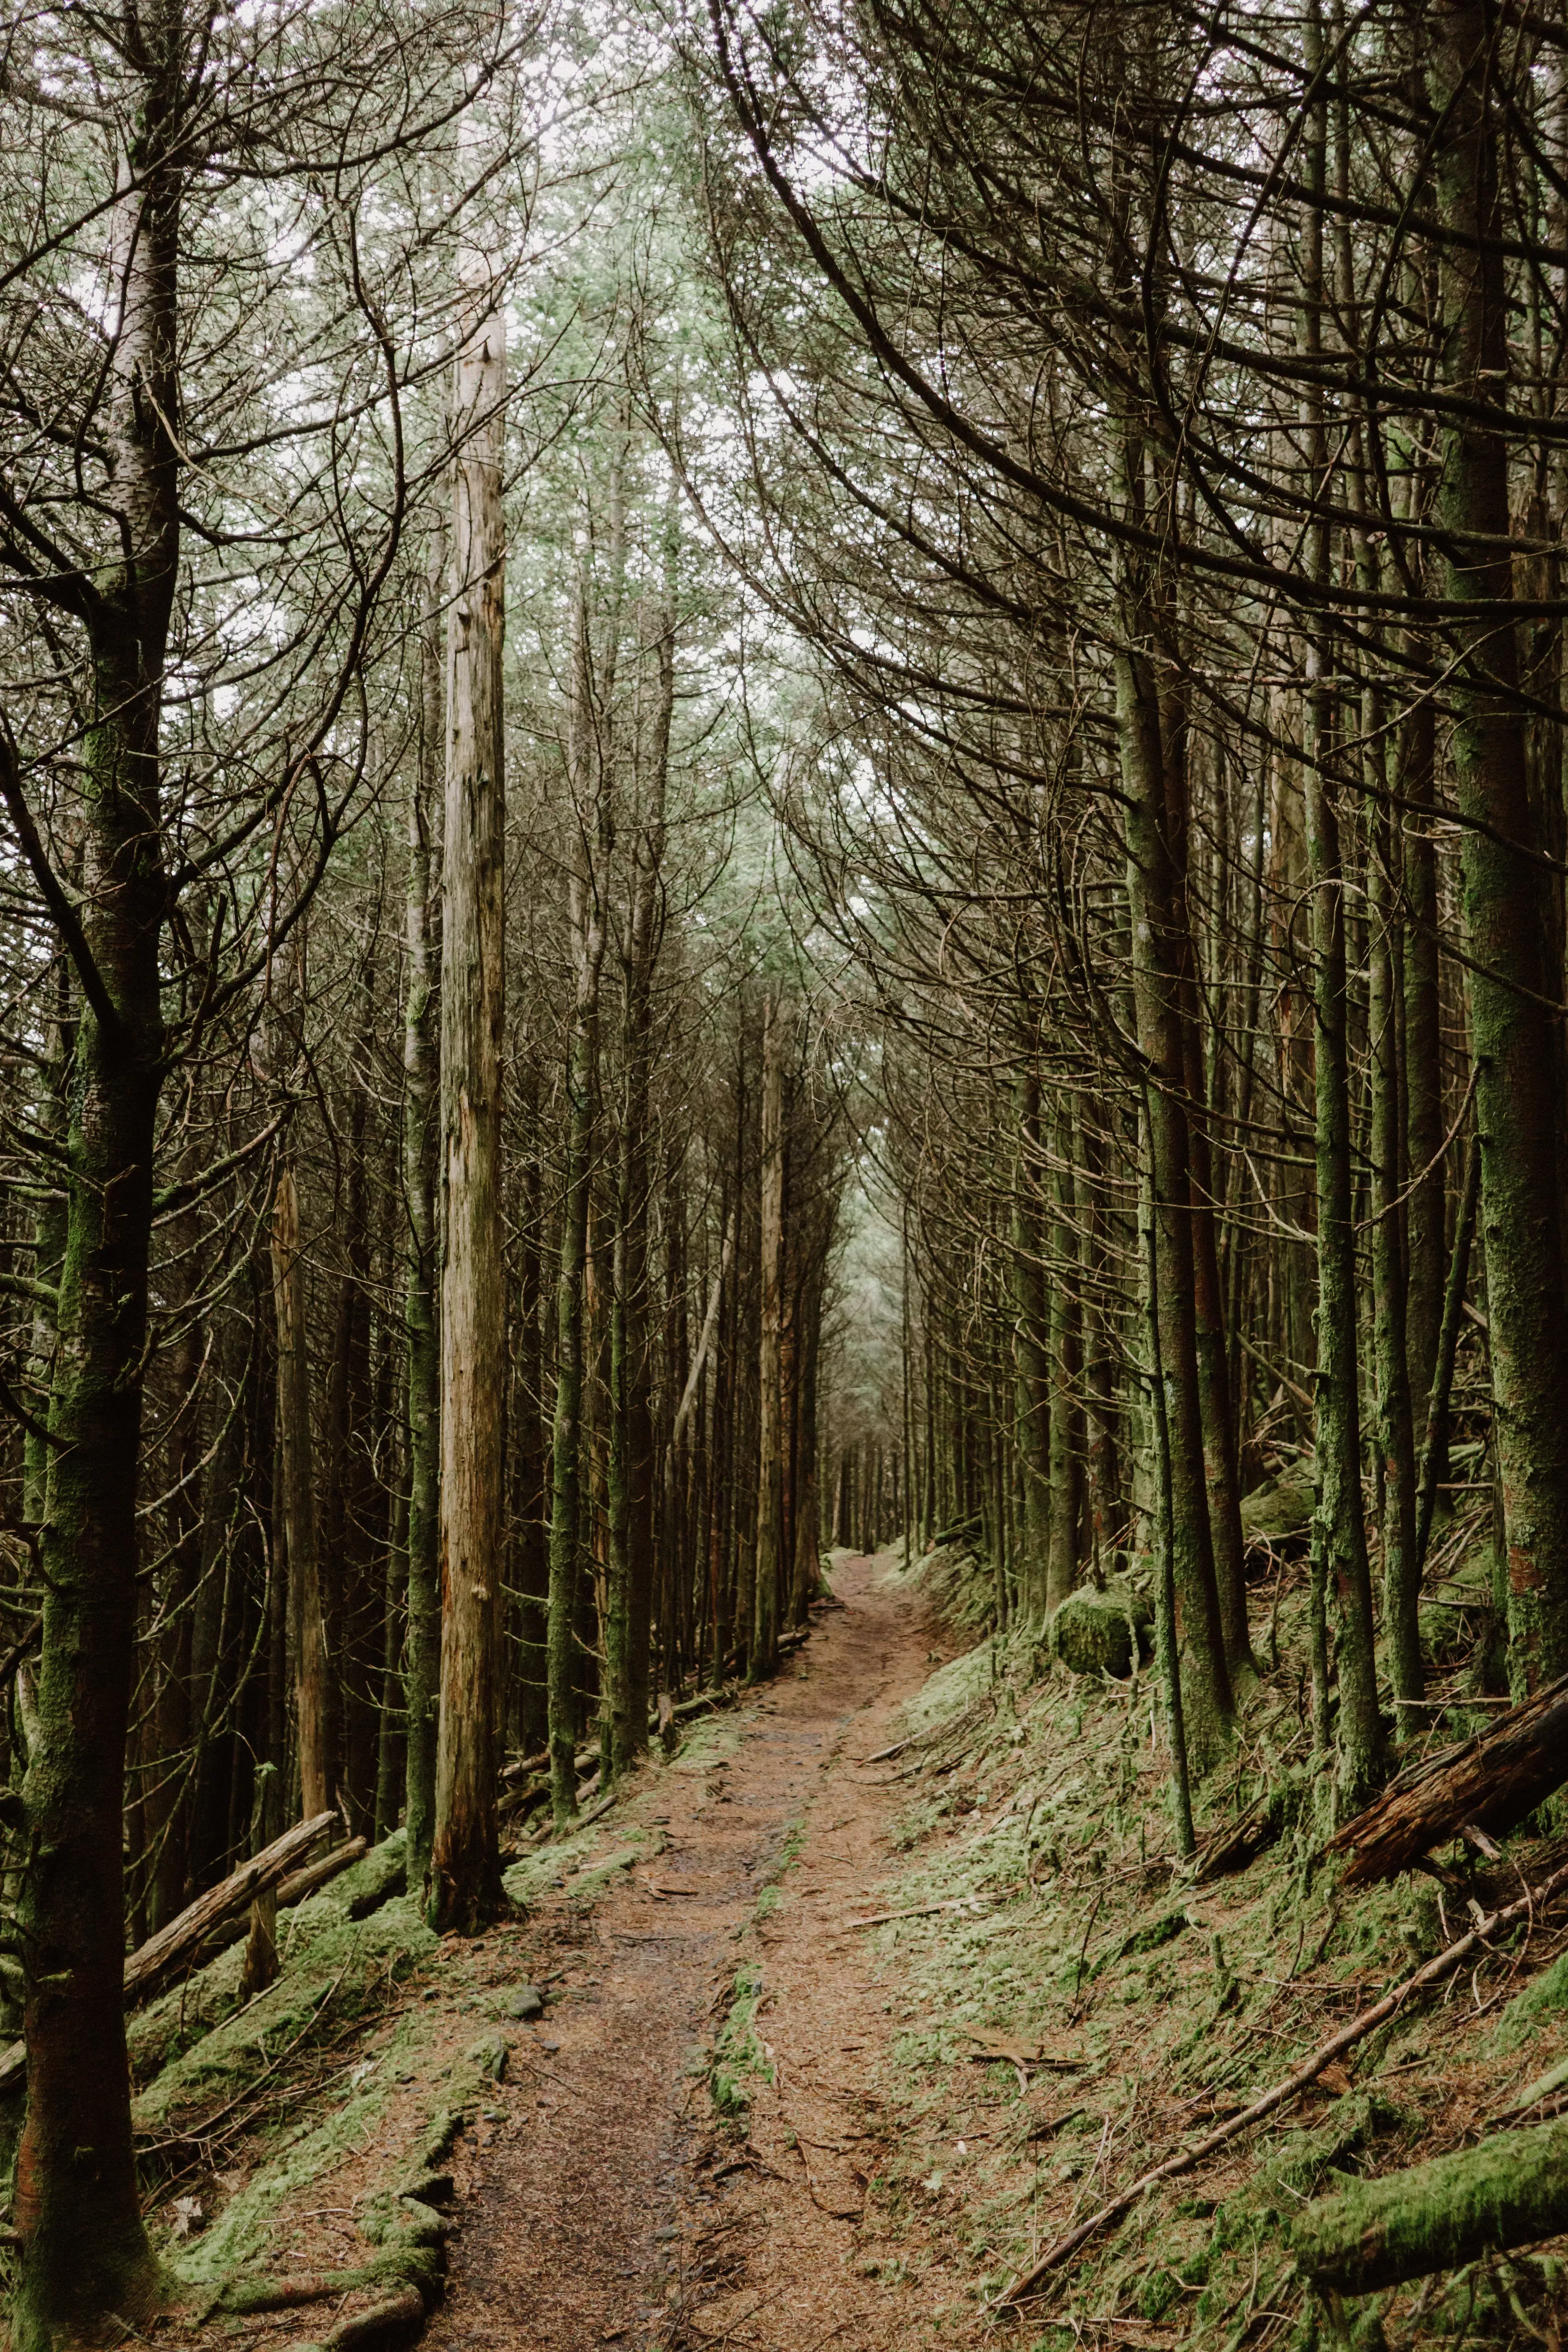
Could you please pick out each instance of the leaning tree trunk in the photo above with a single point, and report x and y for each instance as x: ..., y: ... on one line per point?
x: 421, y: 1083
x: 1511, y: 992
x: 84, y: 2251
x: 465, y: 1865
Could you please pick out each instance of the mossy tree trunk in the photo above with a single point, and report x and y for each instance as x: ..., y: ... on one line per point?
x: 1510, y: 992
x: 84, y: 2251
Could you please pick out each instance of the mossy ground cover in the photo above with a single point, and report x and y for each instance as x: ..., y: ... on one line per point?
x: 287, y: 2134
x: 1142, y: 2008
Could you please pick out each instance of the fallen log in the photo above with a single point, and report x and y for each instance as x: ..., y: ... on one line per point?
x: 1187, y: 2158
x: 317, y: 1874
x: 185, y: 1936
x: 1510, y: 2191
x: 1489, y: 1783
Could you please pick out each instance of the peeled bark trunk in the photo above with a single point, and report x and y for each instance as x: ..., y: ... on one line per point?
x: 421, y: 1082
x: 465, y: 1865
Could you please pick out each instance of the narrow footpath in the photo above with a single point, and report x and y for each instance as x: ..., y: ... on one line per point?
x: 602, y: 2204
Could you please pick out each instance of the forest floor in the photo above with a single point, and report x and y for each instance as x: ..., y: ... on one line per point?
x: 878, y: 1986
x: 613, y: 2205
x: 685, y: 2152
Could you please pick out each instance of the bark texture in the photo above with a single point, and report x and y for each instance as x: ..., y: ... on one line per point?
x: 465, y: 1868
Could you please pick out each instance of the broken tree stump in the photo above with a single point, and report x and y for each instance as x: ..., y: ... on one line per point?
x: 1510, y: 2191
x: 1489, y: 1783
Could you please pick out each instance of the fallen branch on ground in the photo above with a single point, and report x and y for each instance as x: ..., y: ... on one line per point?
x: 1283, y: 2092
x: 926, y: 1910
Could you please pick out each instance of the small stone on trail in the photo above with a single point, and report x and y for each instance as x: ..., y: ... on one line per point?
x: 526, y: 2004
x: 550, y: 2045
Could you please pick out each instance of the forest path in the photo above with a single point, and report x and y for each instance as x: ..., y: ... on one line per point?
x: 601, y: 2205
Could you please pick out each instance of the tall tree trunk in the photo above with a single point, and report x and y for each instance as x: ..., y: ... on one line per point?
x: 590, y: 780
x: 631, y: 1474
x: 1511, y: 992
x: 465, y: 1865
x: 1031, y: 1360
x: 764, y: 1645
x: 1425, y: 1238
x: 421, y: 1087
x: 169, y: 1799
x: 1339, y: 1526
x: 351, y: 1575
x: 1066, y: 1367
x: 312, y: 1709
x: 1159, y: 954
x: 84, y: 2251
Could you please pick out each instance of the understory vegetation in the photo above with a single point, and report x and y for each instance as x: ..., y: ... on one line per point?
x: 1075, y: 2004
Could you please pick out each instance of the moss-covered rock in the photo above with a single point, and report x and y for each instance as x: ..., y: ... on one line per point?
x: 1281, y: 1511
x: 1093, y: 1632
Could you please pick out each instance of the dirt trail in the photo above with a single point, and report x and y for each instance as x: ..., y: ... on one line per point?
x: 599, y: 2204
